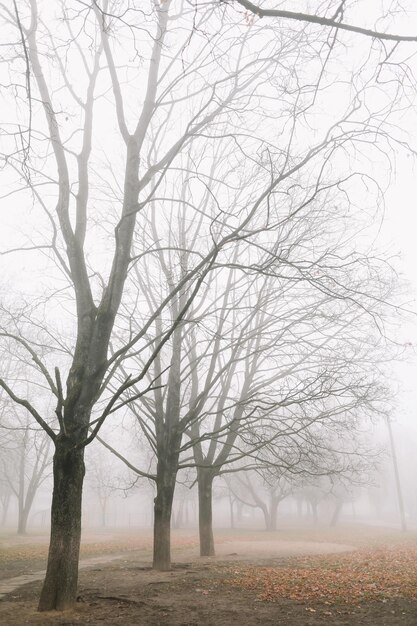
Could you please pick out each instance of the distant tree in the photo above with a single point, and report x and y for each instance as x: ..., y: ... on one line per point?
x: 265, y: 493
x: 398, y: 486
x: 25, y: 464
x: 5, y: 498
x: 103, y: 479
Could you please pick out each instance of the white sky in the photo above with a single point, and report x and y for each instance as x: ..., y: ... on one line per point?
x: 399, y: 232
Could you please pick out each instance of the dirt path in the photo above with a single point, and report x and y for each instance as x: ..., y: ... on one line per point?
x: 11, y: 584
x: 238, y: 550
x: 122, y: 589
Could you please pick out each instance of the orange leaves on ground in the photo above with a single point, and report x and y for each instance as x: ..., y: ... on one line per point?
x: 29, y: 552
x: 23, y: 553
x: 183, y: 542
x: 104, y: 544
x: 361, y: 575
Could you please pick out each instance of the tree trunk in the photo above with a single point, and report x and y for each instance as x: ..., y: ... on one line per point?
x: 265, y: 513
x: 315, y: 513
x: 162, y: 534
x: 25, y: 507
x: 103, y: 507
x: 186, y: 513
x: 5, y: 504
x: 22, y: 521
x: 177, y: 518
x: 336, y: 513
x: 239, y: 512
x: 232, y: 513
x: 397, y: 477
x: 205, y: 511
x: 59, y: 590
x: 273, y: 514
x: 22, y: 518
x: 166, y: 474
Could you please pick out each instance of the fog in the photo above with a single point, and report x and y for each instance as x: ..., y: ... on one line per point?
x: 115, y: 499
x: 208, y: 274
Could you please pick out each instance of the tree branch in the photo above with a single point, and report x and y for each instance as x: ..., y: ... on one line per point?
x: 323, y: 21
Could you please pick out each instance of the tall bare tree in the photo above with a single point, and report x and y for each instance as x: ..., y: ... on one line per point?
x: 176, y: 77
x: 149, y: 152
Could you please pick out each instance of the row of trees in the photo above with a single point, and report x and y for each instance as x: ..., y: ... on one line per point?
x: 264, y: 487
x: 113, y: 499
x: 265, y: 372
x: 200, y: 186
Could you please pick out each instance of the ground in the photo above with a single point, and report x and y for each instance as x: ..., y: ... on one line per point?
x: 294, y: 577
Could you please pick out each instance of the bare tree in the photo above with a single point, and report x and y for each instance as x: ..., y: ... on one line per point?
x: 265, y: 493
x: 207, y: 82
x: 396, y: 475
x: 25, y: 461
x: 284, y: 382
x: 258, y: 360
x: 103, y: 480
x: 25, y: 465
x: 97, y: 299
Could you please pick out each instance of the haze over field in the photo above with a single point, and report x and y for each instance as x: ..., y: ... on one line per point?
x: 207, y: 308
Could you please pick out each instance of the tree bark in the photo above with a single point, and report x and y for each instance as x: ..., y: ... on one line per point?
x: 166, y: 474
x: 59, y: 590
x: 205, y: 511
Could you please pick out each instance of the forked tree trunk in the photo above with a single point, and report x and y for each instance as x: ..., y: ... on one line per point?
x: 59, y: 590
x: 265, y: 512
x: 271, y: 515
x: 22, y: 522
x: 336, y: 513
x: 205, y: 511
x: 166, y: 475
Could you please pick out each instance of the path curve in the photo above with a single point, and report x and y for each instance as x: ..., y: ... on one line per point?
x: 227, y: 550
x: 11, y: 584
